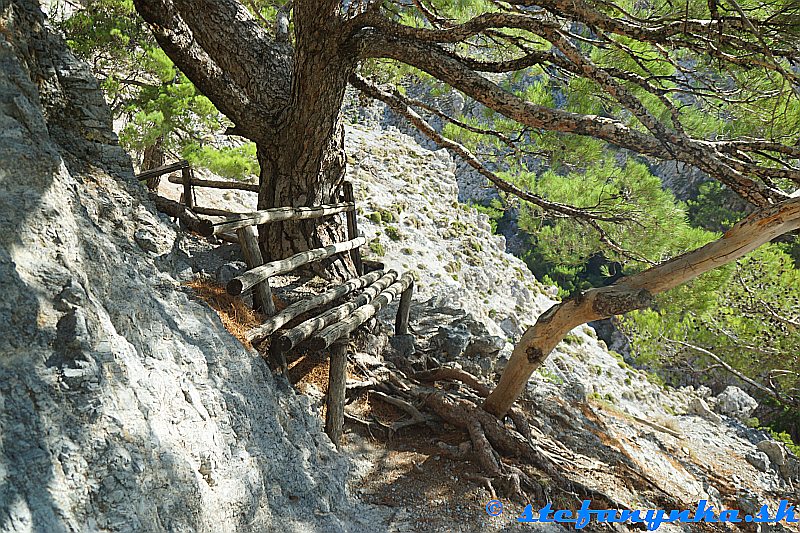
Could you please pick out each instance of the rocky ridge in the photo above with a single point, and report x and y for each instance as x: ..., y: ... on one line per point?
x: 474, y: 300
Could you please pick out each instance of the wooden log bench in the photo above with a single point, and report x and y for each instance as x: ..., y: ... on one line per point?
x: 320, y: 325
x: 311, y: 320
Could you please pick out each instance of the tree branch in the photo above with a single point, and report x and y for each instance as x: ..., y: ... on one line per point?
x: 761, y: 388
x: 204, y: 39
x: 634, y: 292
x: 398, y: 103
x: 435, y: 61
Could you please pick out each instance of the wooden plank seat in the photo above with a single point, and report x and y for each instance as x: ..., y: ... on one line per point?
x: 322, y: 323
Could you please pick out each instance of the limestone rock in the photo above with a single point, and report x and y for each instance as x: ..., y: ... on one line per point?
x: 699, y: 407
x: 774, y: 451
x: 124, y: 404
x: 736, y: 403
x: 758, y: 460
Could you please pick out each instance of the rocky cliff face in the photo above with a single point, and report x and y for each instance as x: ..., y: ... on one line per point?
x: 124, y: 403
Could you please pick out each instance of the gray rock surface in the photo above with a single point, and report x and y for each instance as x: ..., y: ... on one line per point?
x: 736, y: 403
x: 699, y: 407
x: 774, y: 450
x: 124, y: 403
x: 758, y: 460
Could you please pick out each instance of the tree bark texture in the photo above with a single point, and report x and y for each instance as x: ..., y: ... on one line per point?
x: 284, y: 96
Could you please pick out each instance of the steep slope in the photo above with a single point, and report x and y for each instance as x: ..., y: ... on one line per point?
x: 650, y: 446
x: 126, y: 406
x: 124, y: 403
x: 637, y: 442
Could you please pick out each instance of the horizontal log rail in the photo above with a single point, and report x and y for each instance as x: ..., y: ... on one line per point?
x: 329, y: 335
x: 163, y: 169
x: 259, y: 333
x: 380, y: 288
x: 187, y: 217
x: 228, y: 237
x: 297, y: 334
x: 247, y: 280
x: 210, y: 211
x: 278, y: 214
x: 217, y: 184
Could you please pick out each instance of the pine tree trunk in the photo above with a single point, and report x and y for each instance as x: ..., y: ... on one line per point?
x: 284, y: 95
x: 304, y: 165
x: 304, y: 172
x: 153, y: 157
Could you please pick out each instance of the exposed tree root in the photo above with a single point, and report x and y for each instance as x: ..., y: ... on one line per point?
x: 516, y: 461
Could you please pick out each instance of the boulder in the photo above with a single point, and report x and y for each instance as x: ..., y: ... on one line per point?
x: 774, y: 451
x: 453, y: 339
x: 402, y: 346
x: 790, y: 470
x: 699, y: 407
x: 230, y: 270
x: 467, y: 337
x: 759, y: 460
x: 736, y: 403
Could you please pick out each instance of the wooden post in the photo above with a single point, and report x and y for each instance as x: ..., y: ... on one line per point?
x: 403, y: 310
x: 352, y: 227
x: 278, y: 360
x: 186, y: 177
x: 262, y: 295
x: 337, y: 376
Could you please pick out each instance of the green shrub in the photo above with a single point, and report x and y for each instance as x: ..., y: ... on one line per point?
x: 393, y: 233
x: 377, y: 248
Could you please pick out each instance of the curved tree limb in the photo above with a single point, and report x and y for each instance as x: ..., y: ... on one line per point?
x: 433, y: 60
x: 634, y: 292
x: 247, y: 85
x: 399, y: 105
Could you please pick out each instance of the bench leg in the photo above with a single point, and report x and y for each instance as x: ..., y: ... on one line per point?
x: 186, y: 178
x: 403, y: 310
x: 337, y: 374
x: 262, y: 294
x: 277, y: 360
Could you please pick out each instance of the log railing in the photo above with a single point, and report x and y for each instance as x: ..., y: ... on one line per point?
x: 262, y: 273
x: 322, y: 328
x: 217, y: 184
x: 277, y: 214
